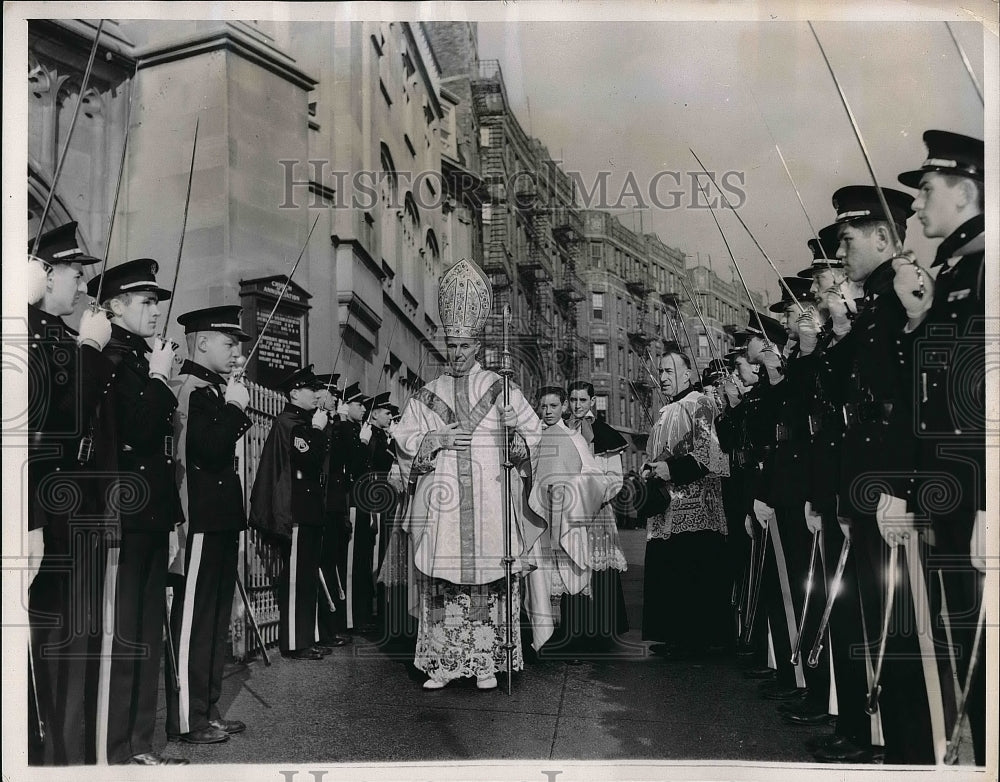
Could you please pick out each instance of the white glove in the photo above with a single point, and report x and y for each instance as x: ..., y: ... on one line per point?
x: 94, y: 327
x: 342, y: 409
x: 38, y: 280
x: 845, y: 526
x: 748, y: 525
x: 237, y: 394
x: 320, y: 419
x: 837, y: 305
x: 808, y: 329
x: 814, y: 522
x: 979, y: 544
x: 161, y: 360
x: 909, y: 280
x: 893, y: 520
x: 36, y: 550
x: 175, y: 550
x: 763, y: 512
x: 366, y: 433
x: 508, y: 416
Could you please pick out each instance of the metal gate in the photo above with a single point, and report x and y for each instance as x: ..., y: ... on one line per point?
x: 264, y: 406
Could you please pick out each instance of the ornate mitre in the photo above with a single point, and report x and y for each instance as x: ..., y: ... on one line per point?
x: 465, y: 299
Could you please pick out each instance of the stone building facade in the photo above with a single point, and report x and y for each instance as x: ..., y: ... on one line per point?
x: 400, y: 144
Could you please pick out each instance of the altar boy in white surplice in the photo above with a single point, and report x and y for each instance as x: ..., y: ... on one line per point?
x: 567, y: 491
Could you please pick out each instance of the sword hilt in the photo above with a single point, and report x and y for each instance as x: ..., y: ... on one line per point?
x: 871, y: 704
x: 813, y: 660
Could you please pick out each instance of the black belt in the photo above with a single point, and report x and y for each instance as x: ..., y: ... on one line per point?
x: 856, y: 413
x: 783, y: 433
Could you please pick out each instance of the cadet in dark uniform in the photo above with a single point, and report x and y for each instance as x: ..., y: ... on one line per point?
x: 730, y: 426
x: 210, y: 420
x: 336, y: 530
x: 766, y: 491
x: 944, y: 344
x: 286, y: 506
x: 375, y: 498
x: 354, y: 437
x: 786, y: 481
x: 67, y: 380
x: 861, y: 373
x: 853, y: 727
x: 142, y: 409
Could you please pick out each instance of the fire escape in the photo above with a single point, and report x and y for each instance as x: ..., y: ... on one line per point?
x: 569, y: 291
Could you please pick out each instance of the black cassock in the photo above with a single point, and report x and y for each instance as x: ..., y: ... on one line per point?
x: 287, y: 509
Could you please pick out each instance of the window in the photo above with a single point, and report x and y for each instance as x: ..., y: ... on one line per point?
x: 622, y: 410
x: 621, y: 360
x: 484, y: 137
x: 600, y: 356
x: 702, y: 346
x: 598, y: 304
x: 595, y: 250
x: 601, y: 404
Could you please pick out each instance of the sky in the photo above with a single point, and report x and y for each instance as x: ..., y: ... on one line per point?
x: 634, y: 97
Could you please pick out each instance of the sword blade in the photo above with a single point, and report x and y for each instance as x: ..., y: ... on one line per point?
x: 725, y: 198
x: 69, y: 136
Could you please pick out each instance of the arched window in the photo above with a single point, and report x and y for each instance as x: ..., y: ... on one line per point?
x: 388, y: 199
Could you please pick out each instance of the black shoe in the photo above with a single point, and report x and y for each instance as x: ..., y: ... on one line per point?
x: 845, y: 753
x: 336, y: 641
x: 760, y: 673
x: 209, y: 735
x: 154, y: 759
x: 323, y: 649
x: 231, y: 727
x: 792, y: 693
x: 809, y: 719
x: 800, y: 708
x: 829, y: 741
x: 303, y: 654
x: 681, y: 654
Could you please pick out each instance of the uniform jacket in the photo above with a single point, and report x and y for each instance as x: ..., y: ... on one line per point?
x: 948, y: 378
x: 826, y: 431
x: 786, y: 471
x: 143, y: 411
x: 372, y: 492
x: 345, y: 464
x: 66, y: 386
x: 206, y: 431
x: 863, y: 374
x: 287, y: 489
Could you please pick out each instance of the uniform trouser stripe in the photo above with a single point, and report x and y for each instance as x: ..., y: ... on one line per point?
x: 350, y: 568
x: 377, y: 530
x: 184, y: 641
x: 786, y: 597
x: 293, y: 577
x: 107, y: 640
x: 928, y: 656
